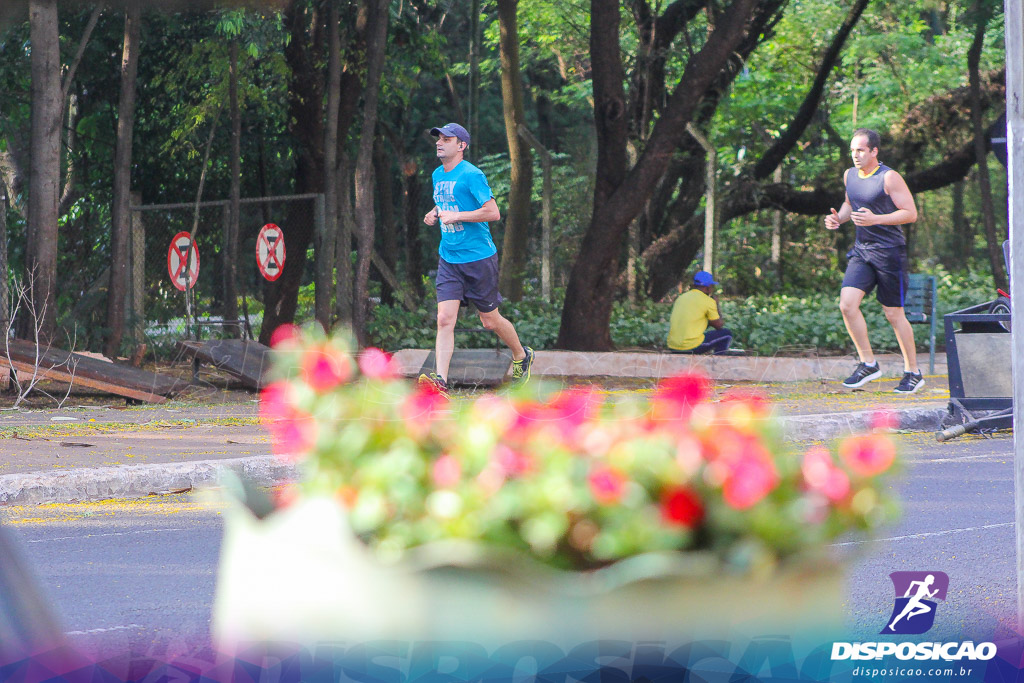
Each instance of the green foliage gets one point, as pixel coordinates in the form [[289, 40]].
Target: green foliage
[[765, 324]]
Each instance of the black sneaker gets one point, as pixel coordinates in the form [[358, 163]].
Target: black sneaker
[[862, 375], [911, 382], [437, 381], [521, 368]]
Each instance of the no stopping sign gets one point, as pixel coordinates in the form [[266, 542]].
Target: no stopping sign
[[270, 251], [177, 259]]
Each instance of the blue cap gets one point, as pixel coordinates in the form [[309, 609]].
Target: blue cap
[[703, 278], [452, 130]]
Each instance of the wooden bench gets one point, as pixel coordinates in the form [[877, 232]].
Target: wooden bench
[[919, 305]]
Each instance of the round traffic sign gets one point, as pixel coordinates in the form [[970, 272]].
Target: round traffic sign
[[177, 258], [270, 251]]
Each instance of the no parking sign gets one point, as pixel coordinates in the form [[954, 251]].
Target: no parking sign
[[270, 251], [177, 258]]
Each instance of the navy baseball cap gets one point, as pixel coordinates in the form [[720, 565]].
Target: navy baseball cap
[[703, 278], [452, 130]]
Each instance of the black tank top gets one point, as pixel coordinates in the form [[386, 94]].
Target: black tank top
[[870, 192]]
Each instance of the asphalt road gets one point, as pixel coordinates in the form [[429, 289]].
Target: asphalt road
[[140, 575]]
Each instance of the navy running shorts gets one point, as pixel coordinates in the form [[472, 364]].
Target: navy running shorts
[[475, 282], [882, 267]]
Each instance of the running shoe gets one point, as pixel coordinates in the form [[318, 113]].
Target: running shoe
[[862, 375], [521, 368], [911, 382], [437, 381]]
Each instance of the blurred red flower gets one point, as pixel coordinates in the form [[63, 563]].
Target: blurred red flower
[[682, 507]]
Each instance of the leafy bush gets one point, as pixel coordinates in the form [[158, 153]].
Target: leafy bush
[[766, 324]]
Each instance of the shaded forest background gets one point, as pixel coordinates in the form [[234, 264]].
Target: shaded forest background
[[634, 104]]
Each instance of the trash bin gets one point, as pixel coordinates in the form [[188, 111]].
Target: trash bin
[[979, 357]]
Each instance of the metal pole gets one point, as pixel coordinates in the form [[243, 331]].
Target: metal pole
[[1015, 174]]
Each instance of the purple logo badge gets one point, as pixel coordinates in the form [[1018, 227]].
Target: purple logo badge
[[916, 596]]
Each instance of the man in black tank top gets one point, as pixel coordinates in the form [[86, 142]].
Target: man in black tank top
[[880, 204]]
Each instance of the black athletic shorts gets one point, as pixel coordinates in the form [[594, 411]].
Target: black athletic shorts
[[884, 267], [475, 282]]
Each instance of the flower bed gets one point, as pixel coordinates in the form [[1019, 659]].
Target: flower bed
[[573, 478]]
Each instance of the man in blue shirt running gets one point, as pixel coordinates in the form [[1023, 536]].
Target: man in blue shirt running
[[467, 269]]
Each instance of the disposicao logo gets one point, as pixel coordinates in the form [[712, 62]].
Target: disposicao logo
[[917, 594]]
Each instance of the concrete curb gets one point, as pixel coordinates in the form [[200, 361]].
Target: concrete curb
[[130, 481], [95, 483], [656, 365], [825, 426]]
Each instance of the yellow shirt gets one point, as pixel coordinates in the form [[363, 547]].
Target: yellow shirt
[[690, 315]]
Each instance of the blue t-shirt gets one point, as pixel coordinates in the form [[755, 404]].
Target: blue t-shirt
[[464, 188]]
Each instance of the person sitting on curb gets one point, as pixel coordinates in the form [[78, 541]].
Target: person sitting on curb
[[692, 313]]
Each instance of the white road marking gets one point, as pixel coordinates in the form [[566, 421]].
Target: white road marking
[[104, 630], [113, 533], [927, 534]]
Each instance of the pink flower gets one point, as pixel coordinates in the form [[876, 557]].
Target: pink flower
[[607, 485], [562, 415], [377, 364], [868, 455], [423, 405], [512, 462], [324, 367], [446, 471], [681, 507], [749, 480], [821, 475], [676, 396], [285, 336], [294, 436], [277, 401]]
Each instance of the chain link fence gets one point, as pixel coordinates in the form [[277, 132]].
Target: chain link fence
[[158, 315]]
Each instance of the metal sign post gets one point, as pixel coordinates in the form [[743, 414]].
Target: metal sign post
[[1015, 174]]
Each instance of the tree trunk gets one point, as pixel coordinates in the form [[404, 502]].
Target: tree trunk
[[963, 235], [995, 243], [364, 177], [474, 66], [517, 217], [230, 311], [412, 224], [44, 176], [120, 215], [343, 245], [305, 116], [325, 242], [620, 196], [386, 204], [5, 301]]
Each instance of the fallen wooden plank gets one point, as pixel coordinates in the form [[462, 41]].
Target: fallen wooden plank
[[56, 364], [246, 361]]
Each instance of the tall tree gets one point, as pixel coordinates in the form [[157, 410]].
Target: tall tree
[[982, 11], [376, 42], [231, 230], [517, 216], [305, 125], [120, 217], [44, 176], [620, 192], [325, 248]]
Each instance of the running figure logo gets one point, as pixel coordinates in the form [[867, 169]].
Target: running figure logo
[[916, 596]]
